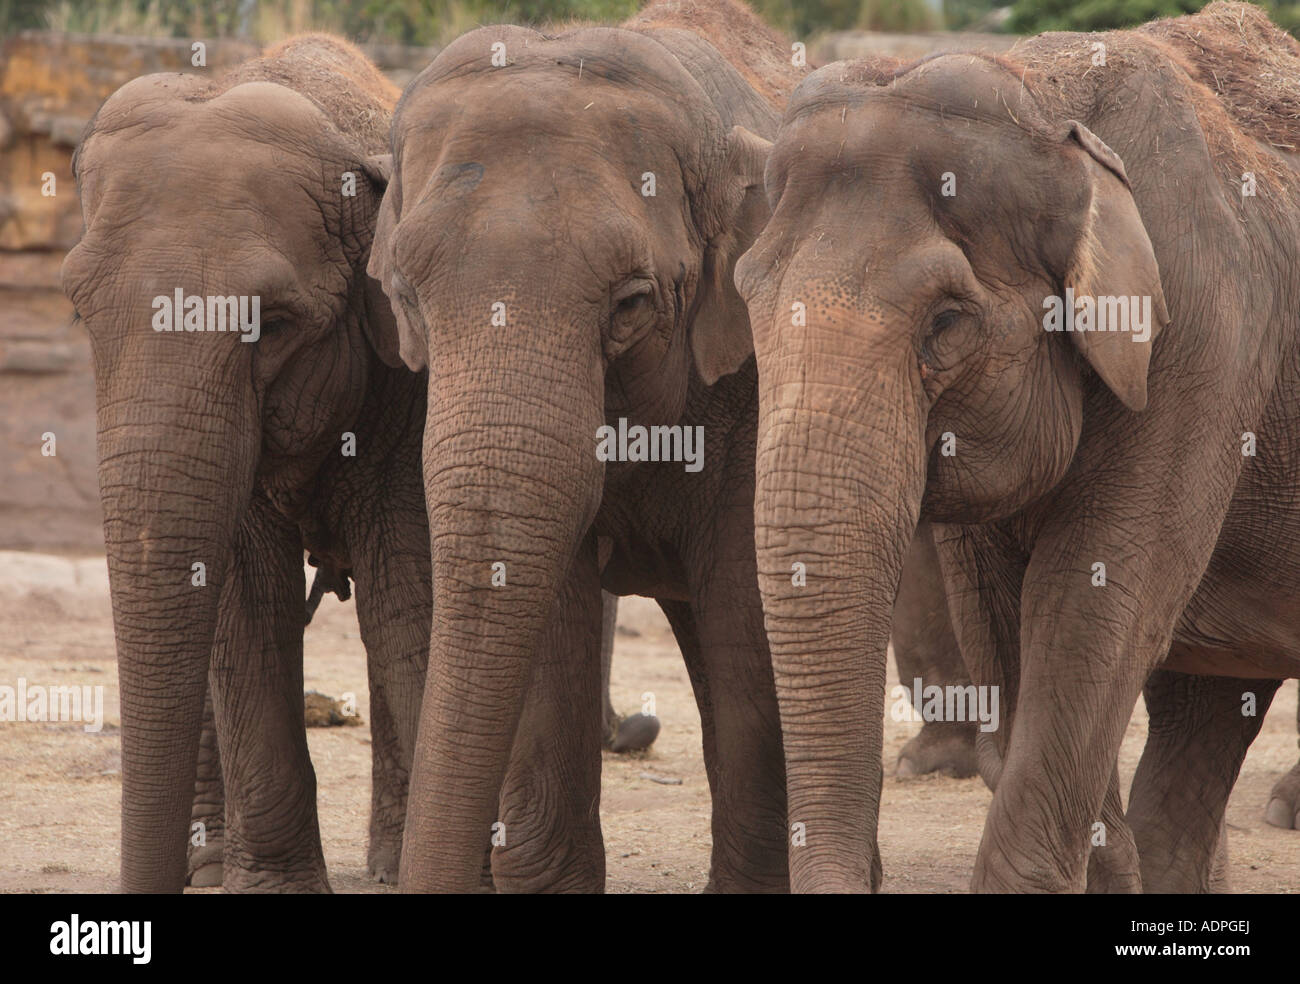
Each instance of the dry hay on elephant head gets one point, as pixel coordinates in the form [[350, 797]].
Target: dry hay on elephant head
[[333, 74], [1238, 72], [758, 52], [1249, 63]]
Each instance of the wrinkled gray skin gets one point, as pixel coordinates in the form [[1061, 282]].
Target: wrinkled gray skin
[[232, 453], [925, 648], [521, 185], [924, 317], [1283, 808], [632, 733], [635, 732], [229, 453]]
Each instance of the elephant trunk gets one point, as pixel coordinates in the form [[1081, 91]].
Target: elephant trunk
[[513, 484], [176, 472], [840, 473]]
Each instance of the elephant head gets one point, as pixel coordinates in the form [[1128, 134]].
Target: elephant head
[[558, 241], [221, 279], [926, 221]]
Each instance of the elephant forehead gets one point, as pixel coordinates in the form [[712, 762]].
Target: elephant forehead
[[204, 267], [196, 166], [267, 110], [527, 113], [116, 272], [905, 165], [611, 90], [973, 86], [628, 59]]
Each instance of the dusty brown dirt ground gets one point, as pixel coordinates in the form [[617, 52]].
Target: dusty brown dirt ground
[[60, 787]]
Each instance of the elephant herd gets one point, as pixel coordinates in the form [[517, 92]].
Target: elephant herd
[[999, 354]]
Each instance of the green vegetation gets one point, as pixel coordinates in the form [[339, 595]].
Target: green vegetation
[[434, 21], [1033, 16]]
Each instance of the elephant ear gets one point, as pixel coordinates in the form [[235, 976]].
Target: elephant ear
[[379, 322], [1112, 256], [721, 339], [402, 339]]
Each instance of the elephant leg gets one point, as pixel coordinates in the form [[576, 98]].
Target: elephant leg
[[1113, 861], [622, 734], [681, 619], [927, 654], [987, 613], [609, 719], [1196, 742], [1113, 867], [389, 776], [724, 648], [984, 569], [1086, 651], [547, 834], [208, 814], [272, 834], [1284, 801], [1220, 880], [394, 611]]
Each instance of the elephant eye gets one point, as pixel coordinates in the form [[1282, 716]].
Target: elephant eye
[[274, 327], [630, 305], [943, 321], [631, 312], [933, 349]]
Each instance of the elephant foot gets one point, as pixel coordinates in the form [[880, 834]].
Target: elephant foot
[[306, 882], [383, 862], [205, 876], [945, 748], [1220, 882], [204, 865], [634, 733], [1283, 808], [1114, 875], [834, 880], [778, 883], [300, 872]]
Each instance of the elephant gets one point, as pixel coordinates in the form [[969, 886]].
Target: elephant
[[261, 420], [239, 457], [1113, 509], [557, 239]]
